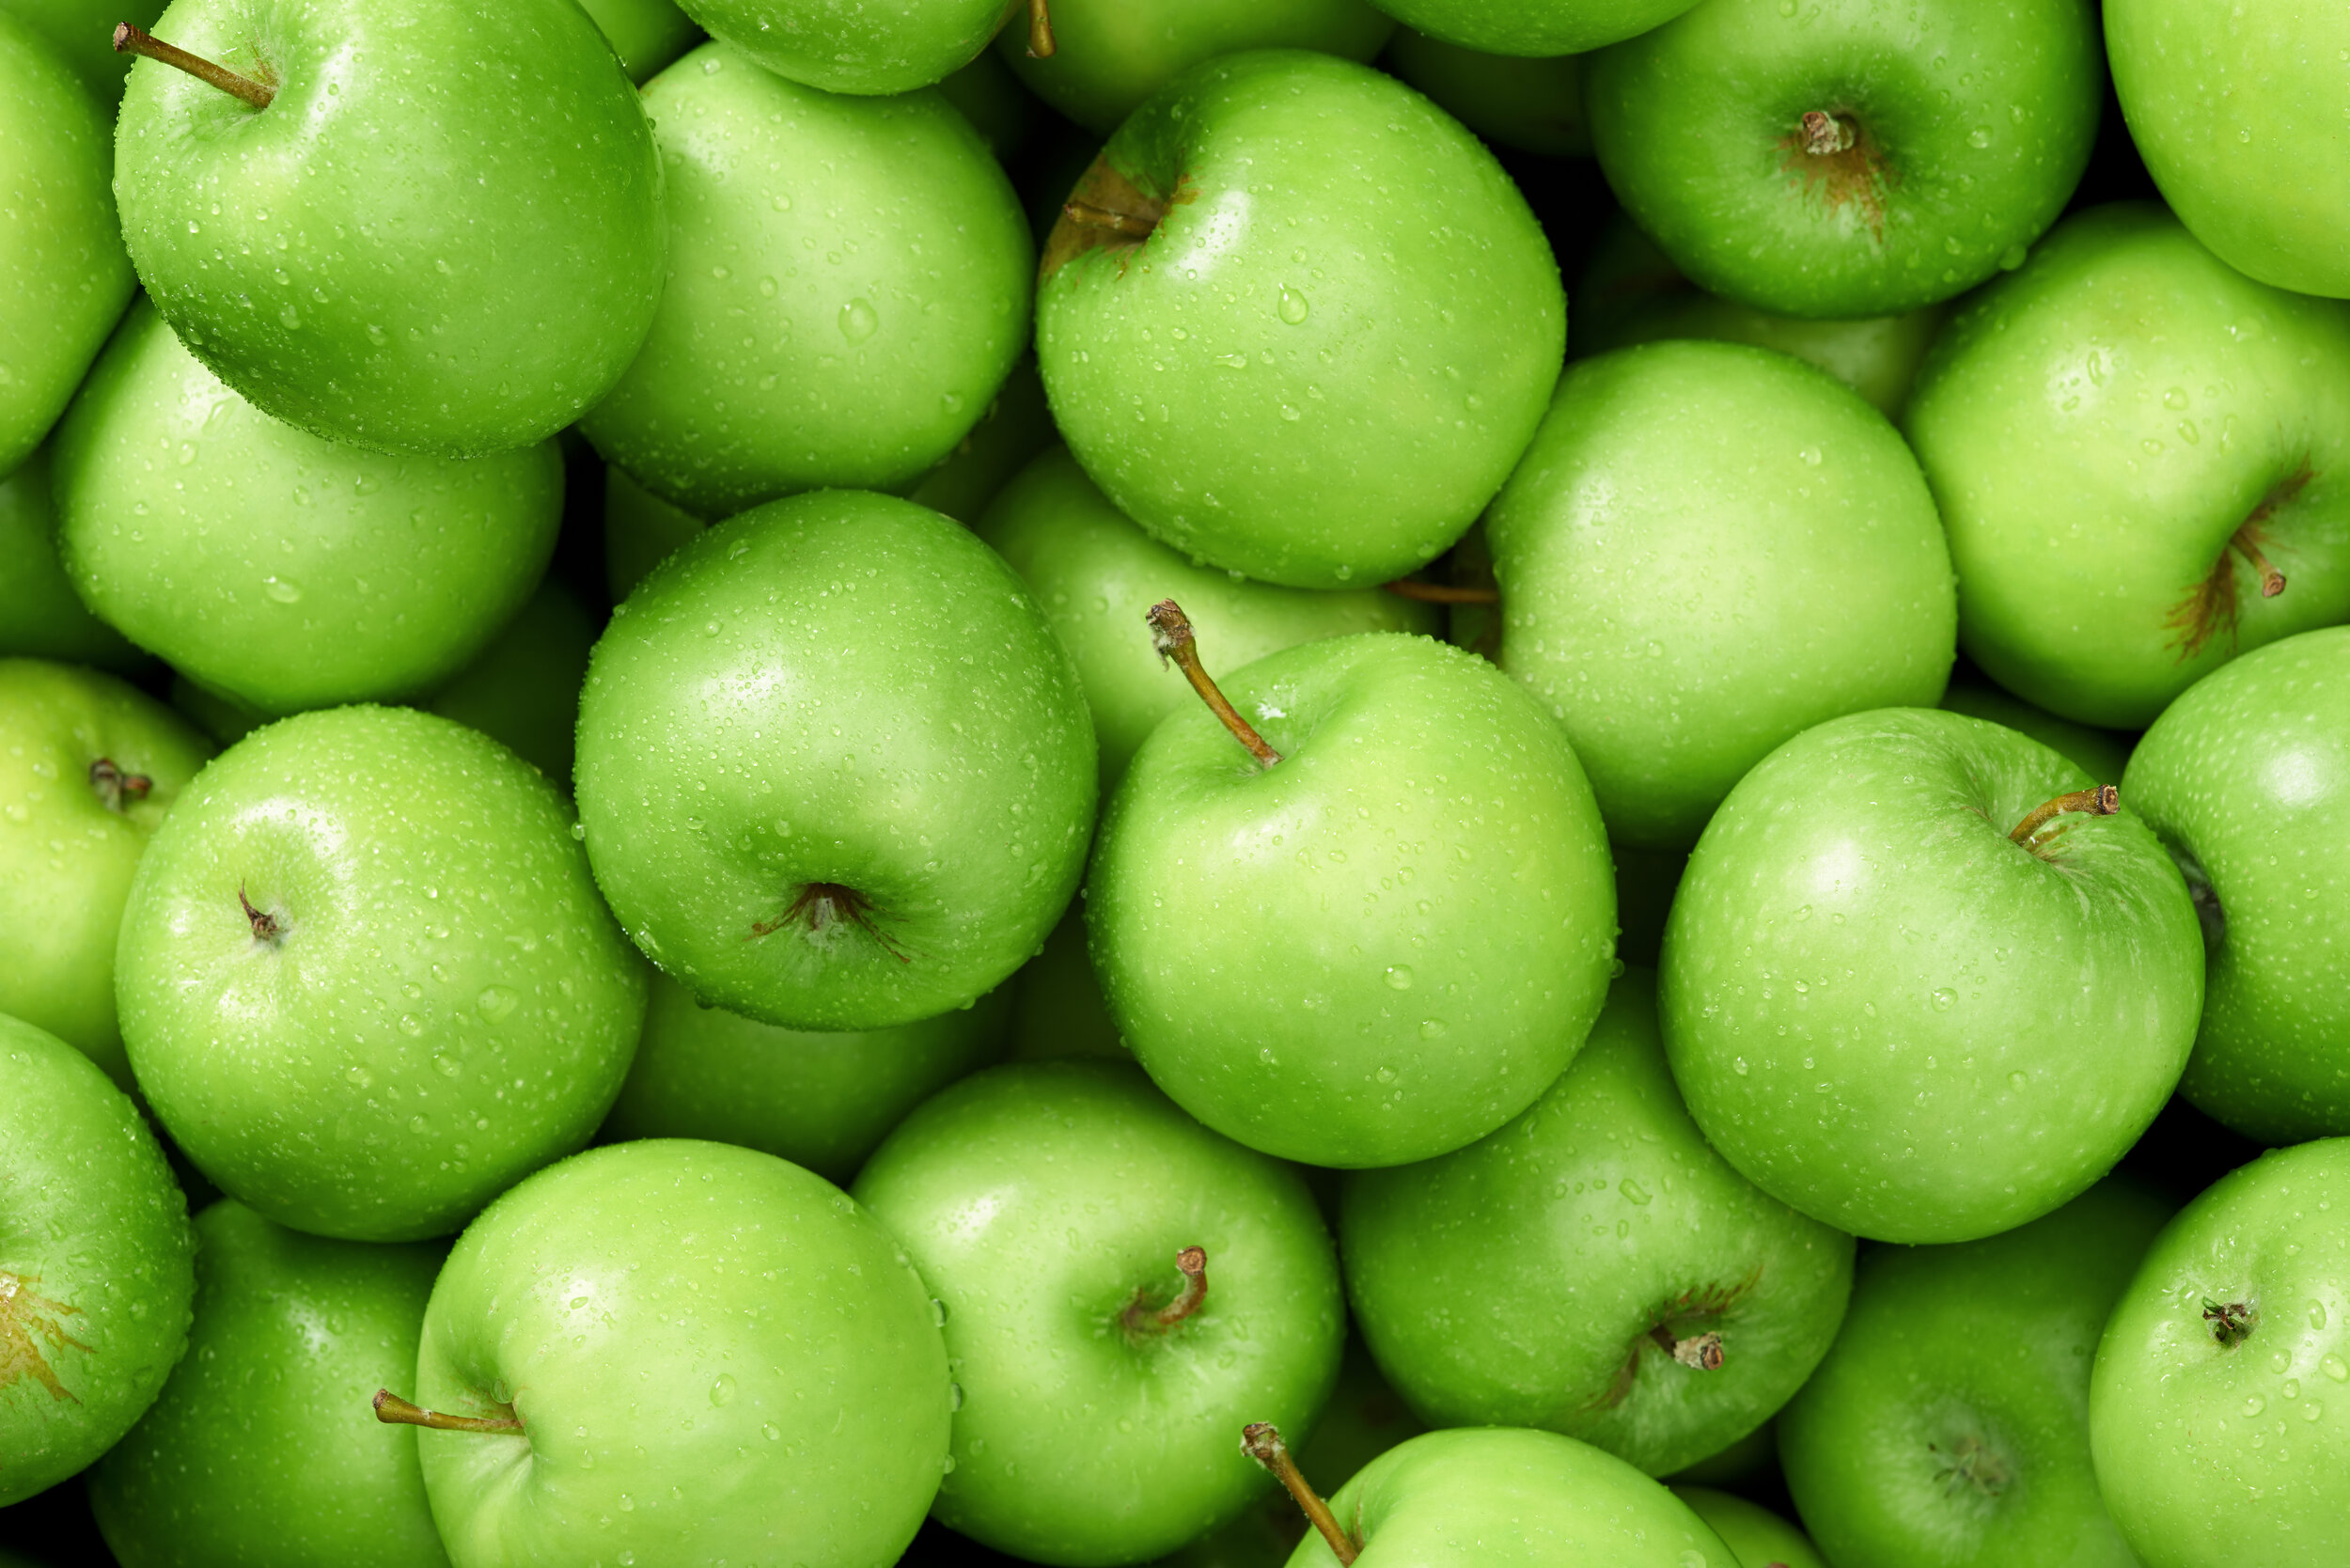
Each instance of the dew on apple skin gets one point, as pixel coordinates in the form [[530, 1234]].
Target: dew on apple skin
[[1944, 999], [858, 320], [1294, 306], [722, 1392], [2254, 1404]]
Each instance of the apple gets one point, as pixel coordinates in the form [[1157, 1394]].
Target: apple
[[82, 33], [2138, 453], [1016, 428], [2099, 753], [1532, 104], [522, 689], [1593, 1267], [1757, 1538], [888, 46], [640, 532], [1533, 27], [1848, 158], [365, 981], [678, 1352], [1296, 321], [258, 1449], [834, 770], [1924, 980], [39, 615], [1057, 1008], [95, 1262], [1707, 549], [437, 229], [849, 285], [645, 34], [1950, 1425]]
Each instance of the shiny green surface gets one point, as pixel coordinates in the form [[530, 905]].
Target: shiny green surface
[[856, 46], [1757, 1538]]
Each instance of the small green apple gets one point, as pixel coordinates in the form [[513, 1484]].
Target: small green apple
[[1533, 27], [522, 689], [1532, 104], [2099, 753], [640, 532], [645, 34], [869, 48], [40, 616], [1757, 1538]]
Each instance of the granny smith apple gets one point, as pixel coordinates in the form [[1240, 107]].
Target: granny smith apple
[[848, 286], [821, 1101], [281, 569], [522, 689], [1950, 1425], [82, 33], [1532, 27], [258, 1449], [40, 616], [1056, 1007], [1923, 980], [1593, 1267], [1847, 157], [873, 47], [365, 981], [1016, 428], [694, 1353], [1533, 104], [439, 230], [88, 767], [95, 1271], [2137, 452], [2099, 753], [645, 34], [1707, 549], [640, 532], [1296, 321], [1757, 1538]]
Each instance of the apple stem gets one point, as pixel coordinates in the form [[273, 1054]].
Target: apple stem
[[1193, 1264], [2102, 800], [392, 1410], [2244, 542], [1041, 42], [1171, 635], [138, 40], [113, 786], [1699, 1352], [1085, 214], [2231, 1323], [1436, 593], [265, 927], [1824, 134], [1261, 1442]]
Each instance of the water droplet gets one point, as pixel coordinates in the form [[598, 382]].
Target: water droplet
[[1294, 306], [1696, 1559], [2012, 258], [1633, 1190], [1233, 361], [289, 318], [2312, 1410], [579, 831], [954, 1396], [284, 589], [2335, 1368], [2317, 1314], [1979, 137], [2254, 1405], [775, 1432], [946, 1466], [1945, 999], [1399, 977], [628, 1504], [938, 1313], [495, 1001], [782, 203], [858, 320], [2018, 1081], [722, 1392], [1810, 456], [358, 1077], [1738, 1065], [445, 1066], [1431, 1028], [411, 1024]]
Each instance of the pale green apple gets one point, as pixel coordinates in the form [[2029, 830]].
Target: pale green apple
[[1757, 1538]]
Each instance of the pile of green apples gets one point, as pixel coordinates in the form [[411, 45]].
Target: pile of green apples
[[808, 783]]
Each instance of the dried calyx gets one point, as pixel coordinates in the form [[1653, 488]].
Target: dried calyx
[[114, 787]]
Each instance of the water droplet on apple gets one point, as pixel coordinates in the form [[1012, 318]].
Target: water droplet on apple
[[1696, 1560], [411, 1024], [775, 1432], [858, 320], [2335, 1368], [445, 1066], [1979, 137], [1233, 361], [2018, 1081], [722, 1392], [2012, 258], [1399, 977], [495, 1002], [1431, 1029], [1945, 999], [579, 831], [282, 590], [938, 1313], [2312, 1410], [1738, 1065], [2254, 1405], [1294, 306], [954, 1396], [1632, 1191]]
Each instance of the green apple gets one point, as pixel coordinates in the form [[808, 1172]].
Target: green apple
[[640, 532], [1379, 948], [1594, 1268], [1095, 573], [2100, 753], [275, 567], [62, 268], [1707, 549], [365, 981], [711, 1355], [834, 770], [95, 1262], [257, 1450], [1532, 104], [82, 33], [2139, 454], [1950, 1425], [1533, 27], [89, 768], [2238, 117], [821, 1101], [1057, 1006], [443, 233], [1757, 1538], [869, 48], [1016, 428], [2217, 1405], [522, 689], [2247, 778], [849, 284], [1296, 321], [1848, 158], [40, 616], [645, 34], [1923, 984], [1047, 1205]]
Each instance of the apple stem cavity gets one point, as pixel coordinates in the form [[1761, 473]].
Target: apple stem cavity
[[265, 926], [2231, 1322], [2245, 542], [822, 905], [2102, 800], [392, 1410], [138, 40], [1823, 136], [1192, 1262], [1261, 1442], [1437, 593], [1041, 45], [1699, 1352], [1085, 214], [1172, 636], [114, 787]]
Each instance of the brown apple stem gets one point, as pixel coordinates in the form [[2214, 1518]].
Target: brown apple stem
[[113, 786], [392, 1410], [1824, 134], [1085, 214], [2231, 1322], [2244, 543], [265, 927], [2103, 800], [1436, 593], [1040, 44], [1699, 1352], [1171, 635], [1193, 1264], [138, 40], [1261, 1442]]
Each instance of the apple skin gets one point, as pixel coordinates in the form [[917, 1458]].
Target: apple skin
[[1973, 126], [1950, 1425], [522, 689], [647, 35], [1322, 362], [259, 1449], [1707, 549], [772, 709], [1517, 1283], [640, 532], [1757, 1537], [849, 284], [871, 48], [40, 616], [82, 33], [2096, 427], [447, 1005], [716, 1357], [1533, 27], [2102, 754], [444, 235], [2247, 778], [96, 1271], [2238, 117], [1532, 105], [1883, 1013]]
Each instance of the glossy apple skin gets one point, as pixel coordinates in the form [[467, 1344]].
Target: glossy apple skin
[[1431, 907], [95, 1262], [841, 688], [446, 1007], [869, 48], [67, 855], [1037, 1201], [1884, 1012], [1323, 360], [260, 1448], [1515, 1282], [444, 236], [40, 616], [1974, 1355], [2096, 427], [1757, 1538], [1707, 549], [849, 284], [2102, 754], [1533, 27], [522, 689], [2233, 1456], [2247, 776], [1532, 105], [645, 34], [715, 1356]]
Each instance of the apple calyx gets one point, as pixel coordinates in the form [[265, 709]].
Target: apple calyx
[[1172, 636], [138, 40], [2212, 606], [1438, 593], [1041, 42], [2102, 800], [1970, 1463], [1832, 153], [392, 1410], [1261, 1442], [265, 926], [2231, 1322], [114, 787], [1824, 135], [1140, 1320], [27, 1320], [1699, 1352], [822, 905]]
